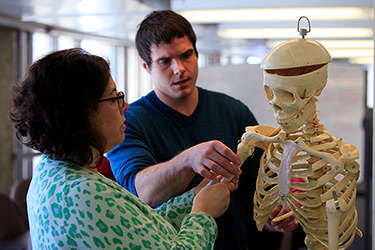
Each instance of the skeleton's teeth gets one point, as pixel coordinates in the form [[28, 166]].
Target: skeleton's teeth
[[288, 120]]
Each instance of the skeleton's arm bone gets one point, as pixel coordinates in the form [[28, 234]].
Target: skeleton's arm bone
[[335, 209], [244, 150], [253, 137], [352, 166]]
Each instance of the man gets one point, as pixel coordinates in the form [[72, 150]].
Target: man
[[180, 133]]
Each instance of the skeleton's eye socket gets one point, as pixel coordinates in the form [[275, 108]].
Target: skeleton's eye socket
[[304, 94], [285, 96], [269, 93]]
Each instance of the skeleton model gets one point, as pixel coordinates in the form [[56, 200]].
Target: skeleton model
[[303, 166]]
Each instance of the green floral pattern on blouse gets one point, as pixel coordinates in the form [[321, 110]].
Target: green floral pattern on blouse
[[70, 207]]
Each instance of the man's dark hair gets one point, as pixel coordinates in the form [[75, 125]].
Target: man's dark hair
[[162, 26]]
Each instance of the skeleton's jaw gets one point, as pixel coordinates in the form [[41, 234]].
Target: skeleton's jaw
[[291, 123], [297, 118]]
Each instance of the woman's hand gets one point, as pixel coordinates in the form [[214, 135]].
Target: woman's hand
[[214, 199]]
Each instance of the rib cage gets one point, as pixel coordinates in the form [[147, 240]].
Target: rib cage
[[316, 179]]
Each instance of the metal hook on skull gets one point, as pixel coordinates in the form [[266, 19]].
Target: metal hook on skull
[[303, 31]]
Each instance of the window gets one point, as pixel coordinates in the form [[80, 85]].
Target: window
[[41, 44], [108, 52], [65, 42], [138, 80]]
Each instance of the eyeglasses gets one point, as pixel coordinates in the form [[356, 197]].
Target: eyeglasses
[[120, 99]]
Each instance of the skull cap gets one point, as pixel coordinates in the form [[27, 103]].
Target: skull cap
[[296, 53]]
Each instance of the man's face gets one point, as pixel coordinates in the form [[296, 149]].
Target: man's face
[[174, 69]]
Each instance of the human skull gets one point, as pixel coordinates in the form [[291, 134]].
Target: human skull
[[294, 73]]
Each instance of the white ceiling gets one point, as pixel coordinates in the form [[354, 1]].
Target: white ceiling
[[119, 18]]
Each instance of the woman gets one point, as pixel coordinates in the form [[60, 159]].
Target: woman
[[68, 108]]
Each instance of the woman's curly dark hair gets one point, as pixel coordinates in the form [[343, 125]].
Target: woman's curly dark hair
[[51, 107]]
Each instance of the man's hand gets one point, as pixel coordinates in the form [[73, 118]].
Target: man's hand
[[286, 225], [157, 183], [212, 158]]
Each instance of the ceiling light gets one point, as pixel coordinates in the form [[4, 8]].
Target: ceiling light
[[87, 7], [90, 23], [336, 44], [345, 53], [267, 33], [348, 43], [279, 14], [343, 48], [362, 60], [254, 60]]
